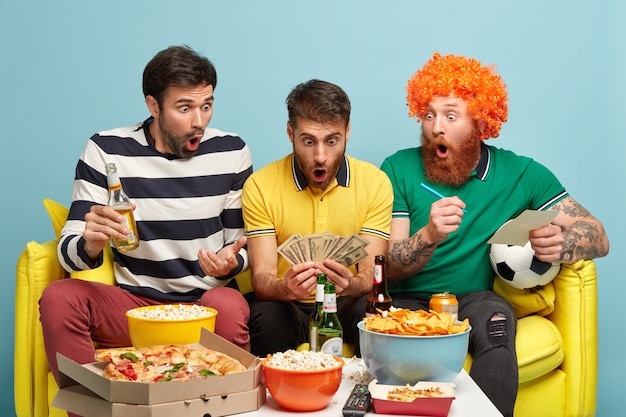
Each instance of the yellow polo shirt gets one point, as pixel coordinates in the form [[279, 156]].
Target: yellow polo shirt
[[277, 201]]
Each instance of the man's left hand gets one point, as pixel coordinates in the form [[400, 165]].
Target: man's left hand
[[336, 273], [547, 242], [223, 262]]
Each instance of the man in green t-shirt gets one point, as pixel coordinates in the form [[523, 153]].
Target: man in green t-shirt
[[440, 244]]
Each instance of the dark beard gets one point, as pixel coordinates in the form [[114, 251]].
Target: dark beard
[[457, 168], [174, 142]]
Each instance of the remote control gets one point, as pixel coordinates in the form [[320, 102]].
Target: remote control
[[358, 401]]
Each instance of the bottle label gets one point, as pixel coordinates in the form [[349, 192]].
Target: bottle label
[[378, 274], [313, 342], [132, 242], [126, 221], [330, 303], [319, 292], [333, 346], [113, 181]]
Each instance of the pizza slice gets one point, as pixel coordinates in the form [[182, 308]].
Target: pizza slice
[[118, 355], [165, 355], [216, 362], [165, 363]]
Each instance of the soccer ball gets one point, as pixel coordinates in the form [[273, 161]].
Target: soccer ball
[[518, 266]]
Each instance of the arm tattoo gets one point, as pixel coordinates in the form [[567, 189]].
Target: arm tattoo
[[583, 239], [573, 210], [411, 251]]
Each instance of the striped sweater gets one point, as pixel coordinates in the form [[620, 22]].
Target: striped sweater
[[183, 204]]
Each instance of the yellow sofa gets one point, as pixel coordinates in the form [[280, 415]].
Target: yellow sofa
[[556, 334]]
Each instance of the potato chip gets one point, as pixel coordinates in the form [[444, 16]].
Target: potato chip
[[415, 323]]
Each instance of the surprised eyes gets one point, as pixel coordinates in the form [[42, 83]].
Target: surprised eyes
[[329, 141], [205, 107], [450, 117]]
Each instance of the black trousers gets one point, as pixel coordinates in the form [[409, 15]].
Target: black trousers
[[277, 326]]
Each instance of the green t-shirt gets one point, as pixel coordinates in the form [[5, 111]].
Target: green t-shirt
[[503, 186]]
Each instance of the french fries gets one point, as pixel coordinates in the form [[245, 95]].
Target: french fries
[[408, 394], [414, 323]]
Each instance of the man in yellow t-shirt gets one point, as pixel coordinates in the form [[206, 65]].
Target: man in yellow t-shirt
[[316, 189]]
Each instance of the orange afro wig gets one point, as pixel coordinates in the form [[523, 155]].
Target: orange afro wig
[[482, 89]]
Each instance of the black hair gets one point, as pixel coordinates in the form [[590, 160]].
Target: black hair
[[177, 65]]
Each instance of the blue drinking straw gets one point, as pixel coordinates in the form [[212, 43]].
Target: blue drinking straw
[[437, 193]]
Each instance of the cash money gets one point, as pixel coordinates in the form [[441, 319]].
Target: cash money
[[347, 250]]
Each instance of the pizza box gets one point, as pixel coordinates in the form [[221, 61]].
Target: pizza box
[[91, 376], [78, 399], [438, 407]]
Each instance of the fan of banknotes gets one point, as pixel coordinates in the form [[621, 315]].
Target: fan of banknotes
[[347, 250]]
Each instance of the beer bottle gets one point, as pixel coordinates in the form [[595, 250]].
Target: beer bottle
[[329, 330], [120, 202], [316, 313], [379, 299]]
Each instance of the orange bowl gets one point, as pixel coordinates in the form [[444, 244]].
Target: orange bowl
[[303, 390]]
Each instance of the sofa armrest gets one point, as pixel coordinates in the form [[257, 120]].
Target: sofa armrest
[[576, 316], [37, 267]]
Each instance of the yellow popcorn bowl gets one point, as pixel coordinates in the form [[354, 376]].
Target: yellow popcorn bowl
[[169, 324]]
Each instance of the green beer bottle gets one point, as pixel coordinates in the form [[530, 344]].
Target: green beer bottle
[[329, 330], [316, 313]]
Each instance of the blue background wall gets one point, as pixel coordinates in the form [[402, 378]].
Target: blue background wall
[[70, 68]]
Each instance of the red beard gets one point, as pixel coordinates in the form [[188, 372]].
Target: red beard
[[457, 167]]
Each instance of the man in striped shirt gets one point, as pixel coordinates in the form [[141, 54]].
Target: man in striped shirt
[[185, 181]]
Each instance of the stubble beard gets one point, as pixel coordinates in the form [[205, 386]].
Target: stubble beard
[[331, 170], [175, 142]]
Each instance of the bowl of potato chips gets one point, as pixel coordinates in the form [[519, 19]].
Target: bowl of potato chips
[[402, 346]]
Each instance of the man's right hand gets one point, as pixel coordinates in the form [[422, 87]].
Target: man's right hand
[[301, 280], [446, 215], [102, 223]]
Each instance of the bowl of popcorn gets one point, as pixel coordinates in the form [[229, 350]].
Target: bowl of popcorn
[[403, 346], [169, 324], [302, 381]]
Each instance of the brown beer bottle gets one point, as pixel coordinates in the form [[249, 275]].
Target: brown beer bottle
[[120, 202], [379, 299]]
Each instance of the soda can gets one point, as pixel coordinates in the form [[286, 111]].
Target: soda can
[[445, 303]]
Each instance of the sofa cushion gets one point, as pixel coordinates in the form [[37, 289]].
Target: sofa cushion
[[104, 273], [36, 268], [539, 347], [544, 396], [538, 300], [58, 215]]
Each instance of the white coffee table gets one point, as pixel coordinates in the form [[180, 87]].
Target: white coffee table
[[470, 400]]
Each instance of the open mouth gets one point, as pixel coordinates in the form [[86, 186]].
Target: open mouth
[[193, 143], [319, 175], [442, 151]]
